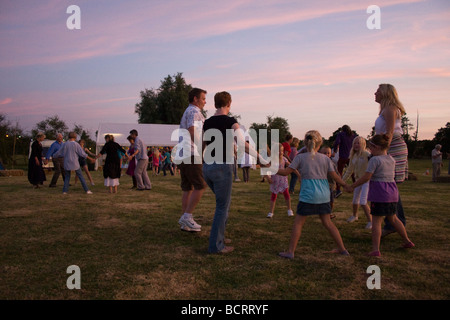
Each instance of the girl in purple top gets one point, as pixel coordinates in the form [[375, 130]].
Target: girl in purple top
[[383, 192]]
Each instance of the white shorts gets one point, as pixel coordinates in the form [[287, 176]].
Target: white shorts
[[360, 194]]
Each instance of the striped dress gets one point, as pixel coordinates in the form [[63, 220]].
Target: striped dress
[[398, 148]]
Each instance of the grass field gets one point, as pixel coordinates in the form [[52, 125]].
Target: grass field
[[129, 246]]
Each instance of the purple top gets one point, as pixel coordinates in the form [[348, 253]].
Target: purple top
[[344, 142]]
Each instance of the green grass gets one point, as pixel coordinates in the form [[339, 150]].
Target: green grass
[[129, 246]]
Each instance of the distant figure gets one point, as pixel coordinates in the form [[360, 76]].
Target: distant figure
[[58, 163], [111, 169], [331, 183], [294, 151], [343, 143], [140, 153], [359, 158], [436, 160], [279, 184], [167, 161], [36, 174], [131, 162], [71, 151], [83, 164]]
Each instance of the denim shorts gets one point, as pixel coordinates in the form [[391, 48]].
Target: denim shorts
[[383, 208], [308, 209]]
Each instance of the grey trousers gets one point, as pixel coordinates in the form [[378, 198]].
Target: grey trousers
[[142, 179], [58, 164]]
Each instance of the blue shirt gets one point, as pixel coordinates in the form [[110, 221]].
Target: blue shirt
[[53, 149], [313, 171]]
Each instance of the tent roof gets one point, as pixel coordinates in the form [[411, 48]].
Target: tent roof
[[150, 133]]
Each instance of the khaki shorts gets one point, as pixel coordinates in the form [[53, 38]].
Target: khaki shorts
[[191, 176]]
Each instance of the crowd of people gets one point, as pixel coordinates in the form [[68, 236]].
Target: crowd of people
[[375, 167]]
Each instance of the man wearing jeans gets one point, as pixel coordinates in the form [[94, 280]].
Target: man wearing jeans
[[71, 151], [140, 173]]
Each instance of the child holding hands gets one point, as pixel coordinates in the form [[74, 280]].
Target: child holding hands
[[314, 196], [279, 184], [383, 192], [359, 158]]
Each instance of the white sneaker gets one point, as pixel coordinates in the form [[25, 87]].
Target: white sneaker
[[290, 213], [89, 192], [352, 219], [369, 225], [188, 224], [270, 215], [64, 192]]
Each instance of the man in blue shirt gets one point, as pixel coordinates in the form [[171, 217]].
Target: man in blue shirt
[[58, 162]]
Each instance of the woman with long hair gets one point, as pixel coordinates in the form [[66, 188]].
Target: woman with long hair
[[389, 122]]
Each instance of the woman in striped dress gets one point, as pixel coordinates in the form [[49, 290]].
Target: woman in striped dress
[[389, 122]]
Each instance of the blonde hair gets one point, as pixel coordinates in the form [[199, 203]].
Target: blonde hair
[[362, 143], [313, 140], [295, 142], [389, 97]]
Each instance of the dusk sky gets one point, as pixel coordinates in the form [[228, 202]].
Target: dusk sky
[[315, 63]]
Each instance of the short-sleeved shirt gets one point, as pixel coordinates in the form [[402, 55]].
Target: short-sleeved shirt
[[313, 170], [382, 186], [192, 117], [222, 124]]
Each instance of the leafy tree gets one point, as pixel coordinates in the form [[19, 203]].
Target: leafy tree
[[13, 141], [51, 126], [442, 137], [165, 104], [406, 126], [272, 123], [83, 134]]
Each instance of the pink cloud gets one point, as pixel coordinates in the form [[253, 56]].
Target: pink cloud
[[6, 101]]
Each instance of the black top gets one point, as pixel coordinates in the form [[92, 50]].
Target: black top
[[224, 124], [112, 168]]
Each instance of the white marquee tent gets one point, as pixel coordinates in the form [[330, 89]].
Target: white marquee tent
[[151, 134]]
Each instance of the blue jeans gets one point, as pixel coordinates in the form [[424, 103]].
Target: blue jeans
[[293, 182], [80, 177], [219, 178]]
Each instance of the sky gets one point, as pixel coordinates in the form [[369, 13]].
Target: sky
[[315, 63]]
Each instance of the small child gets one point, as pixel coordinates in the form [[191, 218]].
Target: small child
[[279, 184], [359, 158], [314, 196], [332, 184], [383, 192]]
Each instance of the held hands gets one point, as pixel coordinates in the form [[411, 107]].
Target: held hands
[[348, 188]]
